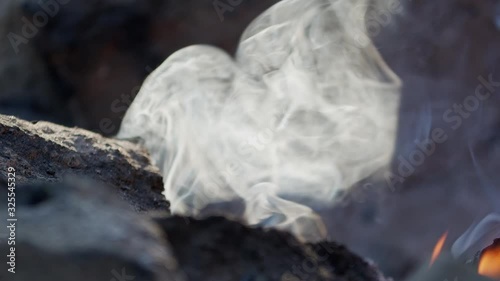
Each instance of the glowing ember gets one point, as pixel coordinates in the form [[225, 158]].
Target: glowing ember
[[489, 264], [438, 248]]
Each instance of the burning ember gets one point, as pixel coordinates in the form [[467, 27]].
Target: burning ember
[[438, 248], [489, 264]]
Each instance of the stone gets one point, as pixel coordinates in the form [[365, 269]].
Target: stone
[[73, 230], [45, 152], [218, 249]]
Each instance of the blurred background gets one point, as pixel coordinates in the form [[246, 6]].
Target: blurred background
[[80, 63]]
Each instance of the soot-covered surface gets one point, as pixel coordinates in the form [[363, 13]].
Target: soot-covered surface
[[217, 249]]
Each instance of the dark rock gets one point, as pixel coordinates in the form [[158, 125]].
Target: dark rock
[[75, 231], [217, 249], [48, 153]]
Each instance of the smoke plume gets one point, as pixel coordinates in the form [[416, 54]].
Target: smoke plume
[[306, 109]]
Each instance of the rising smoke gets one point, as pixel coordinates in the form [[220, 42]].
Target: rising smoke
[[306, 109], [482, 233]]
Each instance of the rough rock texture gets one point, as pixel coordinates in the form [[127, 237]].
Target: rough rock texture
[[217, 249], [76, 231], [47, 152]]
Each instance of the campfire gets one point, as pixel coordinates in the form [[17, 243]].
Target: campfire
[[345, 140]]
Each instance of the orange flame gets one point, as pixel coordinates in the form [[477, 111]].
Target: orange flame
[[438, 248], [489, 264]]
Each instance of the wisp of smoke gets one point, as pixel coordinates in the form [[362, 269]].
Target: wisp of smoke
[[481, 234], [306, 109], [477, 237]]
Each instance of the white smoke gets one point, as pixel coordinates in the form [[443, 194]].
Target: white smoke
[[305, 110]]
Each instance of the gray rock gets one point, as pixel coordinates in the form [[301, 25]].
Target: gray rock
[[75, 231], [218, 249], [47, 152]]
